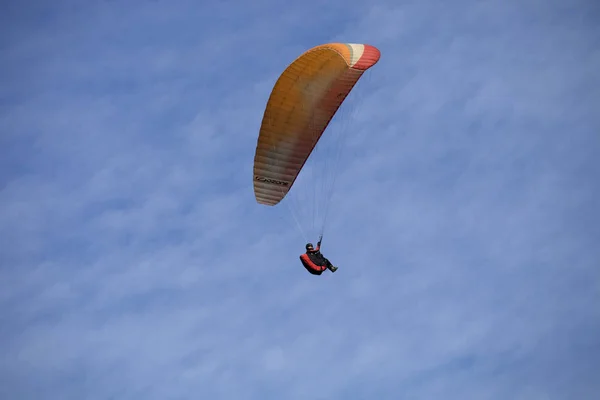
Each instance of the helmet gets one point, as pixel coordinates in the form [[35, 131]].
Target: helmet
[[309, 246]]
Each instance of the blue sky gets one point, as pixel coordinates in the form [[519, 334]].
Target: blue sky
[[136, 264]]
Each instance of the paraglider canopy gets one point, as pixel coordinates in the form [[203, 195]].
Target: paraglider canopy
[[304, 100]]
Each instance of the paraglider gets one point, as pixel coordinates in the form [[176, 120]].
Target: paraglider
[[302, 103], [314, 261]]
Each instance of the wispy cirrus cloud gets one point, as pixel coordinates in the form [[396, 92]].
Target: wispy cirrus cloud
[[136, 264]]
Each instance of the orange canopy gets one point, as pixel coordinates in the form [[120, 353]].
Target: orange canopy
[[305, 98]]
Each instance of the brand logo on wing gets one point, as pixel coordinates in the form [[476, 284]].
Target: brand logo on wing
[[269, 180]]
